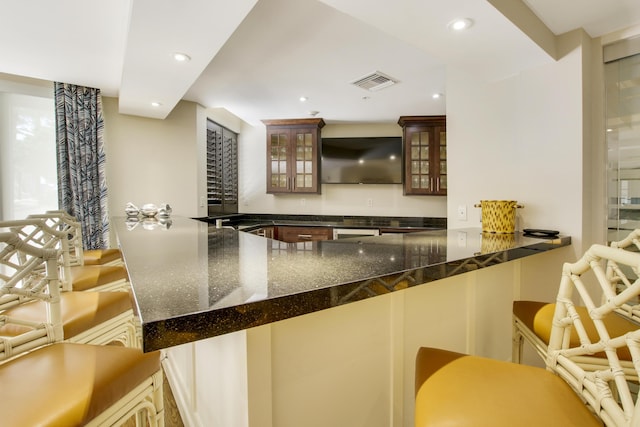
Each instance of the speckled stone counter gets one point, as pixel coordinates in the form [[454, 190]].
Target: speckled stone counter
[[248, 221], [192, 281]]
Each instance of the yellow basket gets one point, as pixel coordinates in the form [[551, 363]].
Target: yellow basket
[[498, 216], [494, 242]]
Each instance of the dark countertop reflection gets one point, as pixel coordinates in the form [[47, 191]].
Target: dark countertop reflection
[[192, 281]]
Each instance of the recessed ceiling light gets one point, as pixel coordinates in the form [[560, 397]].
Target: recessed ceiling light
[[155, 104], [460, 24], [437, 95], [303, 98], [181, 57]]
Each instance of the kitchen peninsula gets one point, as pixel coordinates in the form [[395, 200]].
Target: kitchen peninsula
[[271, 332]]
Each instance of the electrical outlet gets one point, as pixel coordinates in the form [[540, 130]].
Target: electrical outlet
[[462, 239], [462, 212], [370, 203], [202, 201]]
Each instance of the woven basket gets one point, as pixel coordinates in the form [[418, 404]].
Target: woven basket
[[498, 216], [494, 242]]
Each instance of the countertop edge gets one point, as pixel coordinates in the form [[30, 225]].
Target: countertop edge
[[210, 323]]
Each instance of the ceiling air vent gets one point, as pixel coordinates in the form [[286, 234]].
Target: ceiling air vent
[[374, 81]]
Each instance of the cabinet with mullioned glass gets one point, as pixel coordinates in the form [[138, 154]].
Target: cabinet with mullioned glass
[[293, 155], [425, 155]]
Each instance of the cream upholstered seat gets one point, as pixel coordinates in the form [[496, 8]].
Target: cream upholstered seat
[[455, 389], [532, 319], [81, 384], [87, 317], [46, 382]]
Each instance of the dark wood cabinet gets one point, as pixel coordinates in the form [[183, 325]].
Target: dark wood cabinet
[[294, 234], [425, 154], [293, 155]]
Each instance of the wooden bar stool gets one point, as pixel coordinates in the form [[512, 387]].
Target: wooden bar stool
[[455, 389], [53, 383]]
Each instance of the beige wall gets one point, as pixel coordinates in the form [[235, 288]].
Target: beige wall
[[152, 161], [522, 139]]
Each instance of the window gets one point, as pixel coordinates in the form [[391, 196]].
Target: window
[[622, 82], [28, 174], [222, 169]]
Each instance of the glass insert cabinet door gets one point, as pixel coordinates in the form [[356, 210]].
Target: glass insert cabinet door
[[304, 160], [420, 156], [279, 149], [425, 148], [293, 155]]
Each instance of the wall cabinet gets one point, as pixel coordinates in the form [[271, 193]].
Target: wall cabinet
[[425, 154], [293, 155]]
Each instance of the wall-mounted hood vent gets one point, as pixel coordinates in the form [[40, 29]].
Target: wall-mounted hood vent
[[374, 81]]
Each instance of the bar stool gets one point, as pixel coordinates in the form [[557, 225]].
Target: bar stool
[[47, 382], [532, 320], [457, 389], [81, 256], [47, 232], [87, 317]]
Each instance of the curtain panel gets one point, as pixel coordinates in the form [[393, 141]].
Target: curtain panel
[[82, 186]]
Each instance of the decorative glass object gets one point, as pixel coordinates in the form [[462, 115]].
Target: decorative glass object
[[164, 210], [149, 210], [131, 210]]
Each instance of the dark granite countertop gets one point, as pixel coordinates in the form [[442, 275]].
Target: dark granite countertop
[[192, 281], [252, 221]]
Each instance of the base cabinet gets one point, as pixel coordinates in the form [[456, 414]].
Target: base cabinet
[[291, 234]]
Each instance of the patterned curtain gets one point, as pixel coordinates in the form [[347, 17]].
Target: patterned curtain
[[82, 186]]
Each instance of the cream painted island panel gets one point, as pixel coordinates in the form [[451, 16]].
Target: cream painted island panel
[[350, 365]]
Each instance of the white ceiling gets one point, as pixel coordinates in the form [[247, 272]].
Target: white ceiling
[[257, 57]]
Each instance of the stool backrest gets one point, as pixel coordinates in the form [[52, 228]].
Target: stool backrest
[[22, 277], [622, 278], [62, 221], [604, 388], [47, 234]]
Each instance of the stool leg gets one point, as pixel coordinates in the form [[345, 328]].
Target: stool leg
[[517, 343]]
